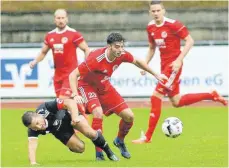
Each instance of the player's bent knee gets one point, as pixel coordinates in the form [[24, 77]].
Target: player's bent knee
[[175, 103], [78, 148], [129, 117]]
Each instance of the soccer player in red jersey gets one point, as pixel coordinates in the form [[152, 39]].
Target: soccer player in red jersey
[[100, 96], [63, 41], [166, 34]]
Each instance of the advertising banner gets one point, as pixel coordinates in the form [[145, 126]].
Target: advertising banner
[[205, 68]]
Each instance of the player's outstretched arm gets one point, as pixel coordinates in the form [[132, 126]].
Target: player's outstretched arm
[[32, 147], [84, 47], [73, 81], [141, 64], [40, 57]]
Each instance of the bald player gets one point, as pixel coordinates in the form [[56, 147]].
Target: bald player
[[63, 41]]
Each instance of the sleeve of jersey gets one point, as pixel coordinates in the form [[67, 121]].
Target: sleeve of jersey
[[180, 30], [150, 38], [46, 40], [55, 105], [86, 66], [32, 133], [78, 38], [129, 57]]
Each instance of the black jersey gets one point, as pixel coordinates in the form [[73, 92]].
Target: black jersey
[[54, 115]]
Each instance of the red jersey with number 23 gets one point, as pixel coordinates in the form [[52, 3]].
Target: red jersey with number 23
[[167, 37], [63, 44], [97, 69]]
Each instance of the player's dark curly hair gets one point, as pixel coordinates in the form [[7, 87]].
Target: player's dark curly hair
[[115, 37], [27, 117]]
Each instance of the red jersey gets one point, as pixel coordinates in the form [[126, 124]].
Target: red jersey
[[167, 37], [96, 70], [63, 44]]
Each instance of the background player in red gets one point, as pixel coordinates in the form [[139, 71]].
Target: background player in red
[[63, 41], [100, 96], [166, 34]]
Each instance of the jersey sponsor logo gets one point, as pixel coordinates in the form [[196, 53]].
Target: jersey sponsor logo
[[64, 40], [58, 48], [160, 43], [164, 34], [115, 67], [14, 74], [51, 40]]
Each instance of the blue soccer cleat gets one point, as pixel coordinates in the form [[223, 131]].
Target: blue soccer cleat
[[122, 147]]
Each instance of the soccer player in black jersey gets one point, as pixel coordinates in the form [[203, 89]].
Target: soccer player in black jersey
[[61, 117]]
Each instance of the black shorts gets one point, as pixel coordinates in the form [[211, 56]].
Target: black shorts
[[65, 131]]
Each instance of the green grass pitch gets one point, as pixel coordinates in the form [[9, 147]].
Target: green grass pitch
[[204, 142]]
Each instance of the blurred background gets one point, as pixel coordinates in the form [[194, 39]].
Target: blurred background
[[25, 23]]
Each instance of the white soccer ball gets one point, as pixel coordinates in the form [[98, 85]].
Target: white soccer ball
[[172, 127]]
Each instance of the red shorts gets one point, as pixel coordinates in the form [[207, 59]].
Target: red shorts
[[175, 82], [62, 87], [111, 101]]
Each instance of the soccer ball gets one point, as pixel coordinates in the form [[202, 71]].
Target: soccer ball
[[172, 127]]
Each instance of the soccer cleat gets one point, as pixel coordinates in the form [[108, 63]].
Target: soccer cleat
[[99, 156], [122, 147], [218, 98], [143, 139], [111, 155]]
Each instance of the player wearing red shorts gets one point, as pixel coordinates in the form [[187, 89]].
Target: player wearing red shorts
[[63, 41], [100, 96], [166, 34]]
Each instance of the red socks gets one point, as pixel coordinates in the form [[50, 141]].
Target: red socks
[[154, 116], [156, 108], [124, 128], [193, 98], [97, 124]]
